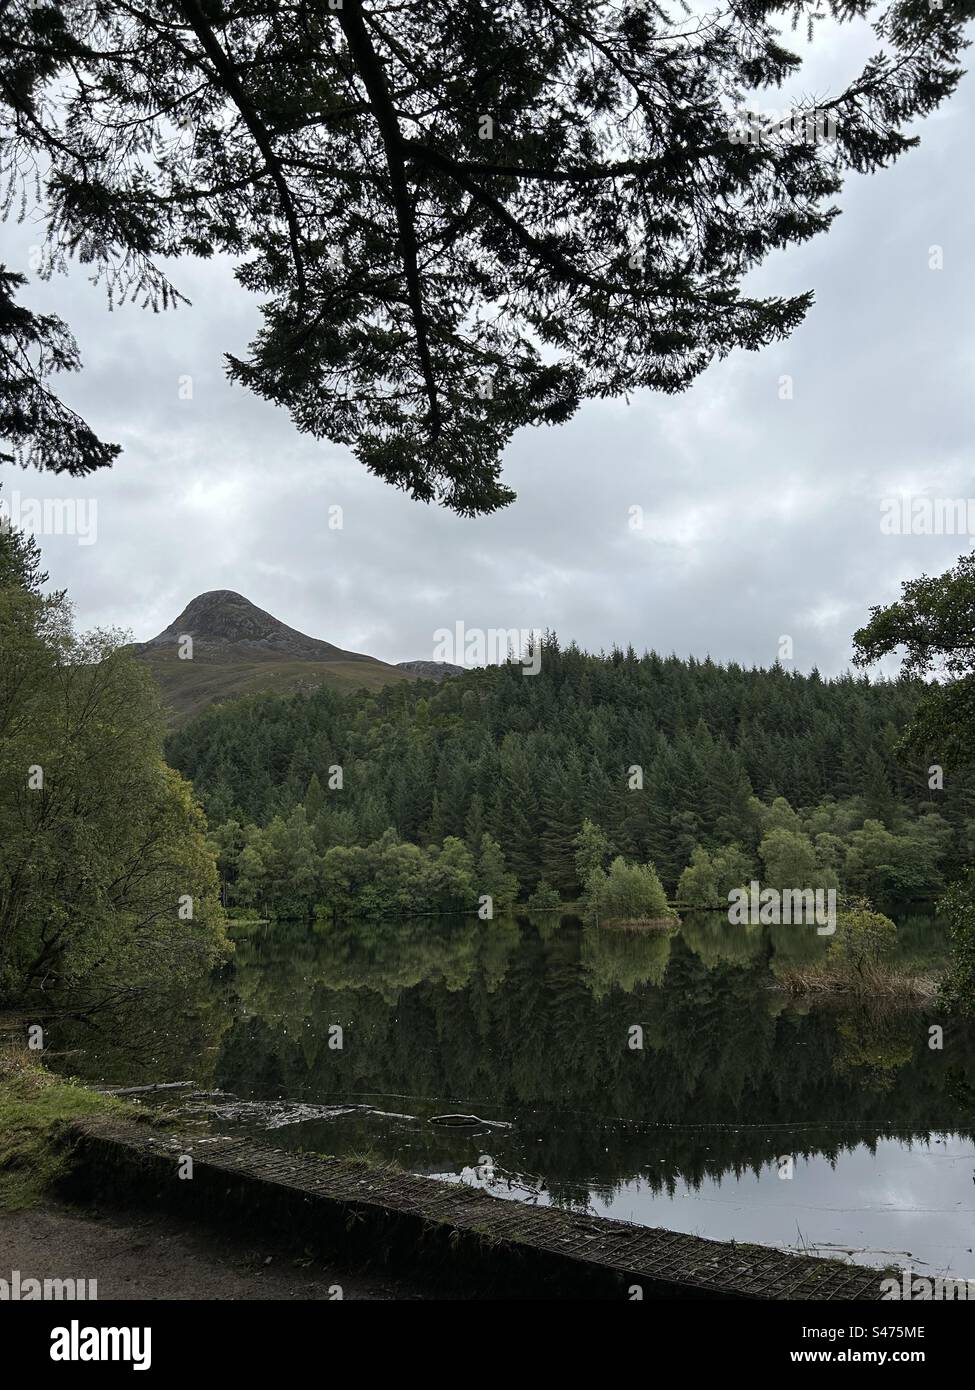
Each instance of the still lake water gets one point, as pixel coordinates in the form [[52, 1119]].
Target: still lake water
[[527, 1024]]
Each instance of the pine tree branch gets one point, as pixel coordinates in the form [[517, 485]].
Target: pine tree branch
[[374, 80], [232, 86]]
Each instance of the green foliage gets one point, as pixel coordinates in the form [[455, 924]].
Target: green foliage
[[958, 905], [449, 882], [347, 872], [796, 851], [105, 875], [314, 799], [227, 842], [596, 243], [531, 762], [863, 941], [778, 815], [712, 874], [626, 893], [886, 866], [592, 851], [282, 869], [933, 622], [790, 861], [492, 876], [544, 898]]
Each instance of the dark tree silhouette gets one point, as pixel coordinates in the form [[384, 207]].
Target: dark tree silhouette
[[463, 217], [35, 426]]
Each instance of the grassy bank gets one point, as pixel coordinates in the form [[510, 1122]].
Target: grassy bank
[[35, 1108]]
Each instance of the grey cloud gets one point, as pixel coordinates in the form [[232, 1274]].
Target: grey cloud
[[761, 515]]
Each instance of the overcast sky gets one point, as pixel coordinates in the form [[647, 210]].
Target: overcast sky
[[762, 516]]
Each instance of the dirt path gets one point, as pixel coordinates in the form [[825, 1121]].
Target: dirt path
[[138, 1255]]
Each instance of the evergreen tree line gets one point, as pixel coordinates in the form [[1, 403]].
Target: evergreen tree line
[[670, 759]]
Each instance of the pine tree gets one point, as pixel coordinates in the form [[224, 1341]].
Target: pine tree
[[518, 802], [314, 799], [474, 824], [588, 184], [561, 811]]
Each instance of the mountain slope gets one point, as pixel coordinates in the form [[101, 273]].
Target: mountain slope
[[239, 649], [430, 670]]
